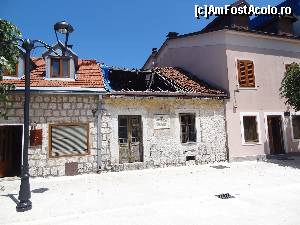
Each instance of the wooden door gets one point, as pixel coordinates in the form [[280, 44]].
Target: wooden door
[[10, 150], [275, 135], [130, 139]]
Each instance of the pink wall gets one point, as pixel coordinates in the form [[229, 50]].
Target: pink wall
[[213, 56]]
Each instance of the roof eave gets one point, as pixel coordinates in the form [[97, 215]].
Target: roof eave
[[62, 90], [167, 94]]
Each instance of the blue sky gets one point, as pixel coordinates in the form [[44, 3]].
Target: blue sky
[[118, 33]]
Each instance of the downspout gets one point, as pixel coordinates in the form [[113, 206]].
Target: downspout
[[105, 72], [99, 134]]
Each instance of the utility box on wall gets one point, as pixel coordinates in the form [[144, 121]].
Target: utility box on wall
[[71, 168], [36, 137]]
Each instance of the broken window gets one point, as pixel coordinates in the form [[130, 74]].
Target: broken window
[[68, 139], [188, 130], [296, 126], [250, 129]]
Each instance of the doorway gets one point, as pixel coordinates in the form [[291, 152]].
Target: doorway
[[275, 134], [10, 150], [130, 139]]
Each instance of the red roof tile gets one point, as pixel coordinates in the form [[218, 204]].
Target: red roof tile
[[187, 81], [88, 75]]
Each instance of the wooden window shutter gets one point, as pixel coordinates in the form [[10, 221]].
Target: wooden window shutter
[[246, 73]]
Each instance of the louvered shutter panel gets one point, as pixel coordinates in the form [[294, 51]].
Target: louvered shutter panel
[[242, 73], [246, 73], [69, 140]]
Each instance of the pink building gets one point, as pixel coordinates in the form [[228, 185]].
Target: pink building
[[248, 64]]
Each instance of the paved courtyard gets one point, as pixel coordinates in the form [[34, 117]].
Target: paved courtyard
[[264, 193]]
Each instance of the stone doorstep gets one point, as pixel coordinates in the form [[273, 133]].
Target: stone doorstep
[[9, 179]]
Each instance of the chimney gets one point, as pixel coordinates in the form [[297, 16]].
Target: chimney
[[172, 35], [285, 25], [154, 51], [240, 21], [282, 25]]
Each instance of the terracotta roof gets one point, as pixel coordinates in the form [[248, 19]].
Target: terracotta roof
[[88, 75], [187, 81]]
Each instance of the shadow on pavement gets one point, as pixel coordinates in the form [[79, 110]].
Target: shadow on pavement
[[220, 167], [40, 190], [36, 191], [285, 161], [12, 197]]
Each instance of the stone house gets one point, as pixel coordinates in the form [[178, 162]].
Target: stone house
[[64, 113], [160, 117], [248, 59]]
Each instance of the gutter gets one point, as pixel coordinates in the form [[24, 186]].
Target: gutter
[[61, 90], [167, 94]]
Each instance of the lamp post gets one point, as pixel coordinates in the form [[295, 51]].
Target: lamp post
[[65, 28], [28, 45]]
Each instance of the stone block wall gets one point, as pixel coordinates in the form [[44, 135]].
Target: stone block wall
[[48, 109], [162, 147]]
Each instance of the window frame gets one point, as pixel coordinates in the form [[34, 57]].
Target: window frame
[[258, 129], [238, 74], [6, 75], [195, 128], [60, 67], [50, 126], [291, 124]]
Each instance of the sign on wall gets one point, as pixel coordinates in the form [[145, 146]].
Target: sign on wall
[[161, 121]]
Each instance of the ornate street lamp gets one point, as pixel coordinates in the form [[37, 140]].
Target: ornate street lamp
[[28, 45], [64, 28]]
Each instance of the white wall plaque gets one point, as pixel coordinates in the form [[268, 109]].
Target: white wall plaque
[[161, 121]]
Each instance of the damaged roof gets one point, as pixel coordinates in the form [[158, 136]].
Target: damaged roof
[[166, 81], [88, 76]]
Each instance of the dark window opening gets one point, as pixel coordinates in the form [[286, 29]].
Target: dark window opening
[[188, 130], [250, 129], [190, 157], [60, 68], [296, 126]]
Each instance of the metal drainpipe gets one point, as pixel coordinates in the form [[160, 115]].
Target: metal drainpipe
[[99, 135]]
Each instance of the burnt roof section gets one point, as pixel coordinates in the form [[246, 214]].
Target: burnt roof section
[[167, 81], [229, 20], [259, 21]]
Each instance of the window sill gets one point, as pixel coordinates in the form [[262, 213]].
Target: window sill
[[250, 88], [62, 79], [74, 155], [251, 144], [189, 143]]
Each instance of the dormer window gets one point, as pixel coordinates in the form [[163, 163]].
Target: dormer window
[[60, 67], [13, 73]]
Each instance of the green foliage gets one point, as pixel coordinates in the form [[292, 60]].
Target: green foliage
[[290, 86], [9, 53]]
